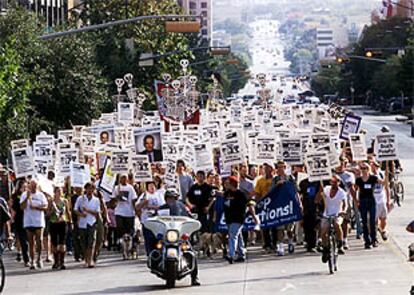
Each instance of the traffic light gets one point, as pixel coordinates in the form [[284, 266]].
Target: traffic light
[[369, 54]]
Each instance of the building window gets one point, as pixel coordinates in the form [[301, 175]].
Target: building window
[[205, 22], [204, 32], [204, 5], [193, 5], [204, 13]]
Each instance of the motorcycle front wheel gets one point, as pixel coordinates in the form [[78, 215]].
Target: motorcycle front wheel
[[170, 268]]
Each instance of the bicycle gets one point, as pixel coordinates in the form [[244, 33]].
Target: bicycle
[[397, 189], [332, 246]]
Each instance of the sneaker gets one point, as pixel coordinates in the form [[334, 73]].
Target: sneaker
[[55, 266], [70, 253], [32, 266], [280, 250], [358, 237], [62, 267], [195, 282], [18, 257], [39, 264], [291, 248], [375, 244], [341, 251], [26, 264], [367, 246]]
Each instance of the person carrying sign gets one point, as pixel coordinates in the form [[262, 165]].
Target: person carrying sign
[[280, 179], [261, 189]]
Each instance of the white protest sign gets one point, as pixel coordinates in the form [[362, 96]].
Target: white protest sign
[[23, 162], [141, 168], [203, 157], [79, 174], [265, 149], [126, 112], [232, 150], [65, 157], [317, 166], [43, 151], [291, 150], [350, 125], [386, 147], [19, 144], [358, 147], [121, 161], [320, 139]]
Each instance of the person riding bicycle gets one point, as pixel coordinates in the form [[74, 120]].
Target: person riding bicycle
[[5, 218], [334, 199]]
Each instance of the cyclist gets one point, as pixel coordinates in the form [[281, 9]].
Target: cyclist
[[335, 201]]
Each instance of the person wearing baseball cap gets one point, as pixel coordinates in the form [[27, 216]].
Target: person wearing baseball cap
[[172, 204]]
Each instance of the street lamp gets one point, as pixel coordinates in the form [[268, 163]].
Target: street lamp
[[368, 54]]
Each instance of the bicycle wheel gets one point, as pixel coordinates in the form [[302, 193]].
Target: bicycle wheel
[[331, 261], [3, 275], [335, 254]]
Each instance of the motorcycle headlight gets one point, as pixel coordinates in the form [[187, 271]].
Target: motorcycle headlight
[[172, 236]]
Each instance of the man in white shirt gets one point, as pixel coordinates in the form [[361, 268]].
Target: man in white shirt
[[125, 209], [34, 204], [334, 199], [87, 208]]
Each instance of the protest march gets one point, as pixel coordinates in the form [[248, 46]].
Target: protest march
[[251, 173]]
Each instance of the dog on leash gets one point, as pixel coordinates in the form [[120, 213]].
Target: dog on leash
[[210, 243]]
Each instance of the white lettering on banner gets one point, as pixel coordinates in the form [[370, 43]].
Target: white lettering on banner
[[385, 147]]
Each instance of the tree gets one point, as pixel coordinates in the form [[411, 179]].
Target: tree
[[385, 80], [119, 48], [14, 90]]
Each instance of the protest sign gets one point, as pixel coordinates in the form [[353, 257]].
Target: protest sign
[[126, 112], [107, 182], [320, 139], [65, 157], [358, 147], [41, 166], [203, 157], [385, 147], [148, 142], [79, 174], [231, 150], [120, 161], [265, 149], [23, 162], [291, 150], [318, 166], [43, 151], [350, 125], [141, 168], [279, 207], [19, 144]]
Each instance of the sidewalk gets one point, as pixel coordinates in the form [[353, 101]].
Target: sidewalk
[[401, 216]]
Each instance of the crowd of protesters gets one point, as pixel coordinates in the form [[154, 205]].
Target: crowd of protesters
[[79, 222]]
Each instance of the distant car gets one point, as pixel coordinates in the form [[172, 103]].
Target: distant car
[[249, 97], [289, 100]]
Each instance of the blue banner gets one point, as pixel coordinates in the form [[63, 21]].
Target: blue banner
[[279, 207]]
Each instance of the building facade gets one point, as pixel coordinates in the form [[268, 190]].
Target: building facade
[[203, 8]]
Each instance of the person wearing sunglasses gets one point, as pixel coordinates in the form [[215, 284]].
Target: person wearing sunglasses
[[363, 194]]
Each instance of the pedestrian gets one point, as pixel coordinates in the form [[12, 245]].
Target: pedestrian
[[17, 217], [279, 180], [34, 205], [112, 233], [77, 246], [101, 224], [185, 180], [147, 206], [382, 199], [60, 217], [261, 189], [200, 199], [125, 208], [235, 205], [87, 207], [364, 186]]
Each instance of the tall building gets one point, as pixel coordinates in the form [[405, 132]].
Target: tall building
[[325, 43], [203, 8], [55, 12]]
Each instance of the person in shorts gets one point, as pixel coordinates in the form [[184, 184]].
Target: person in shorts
[[34, 205]]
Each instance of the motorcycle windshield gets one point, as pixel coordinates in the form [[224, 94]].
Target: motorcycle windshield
[[161, 224]]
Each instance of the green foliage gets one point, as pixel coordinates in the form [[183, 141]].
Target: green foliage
[[14, 90]]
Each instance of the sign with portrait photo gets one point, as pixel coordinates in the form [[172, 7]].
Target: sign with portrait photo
[[291, 150], [350, 125], [358, 147], [318, 166], [232, 150], [148, 142], [121, 161]]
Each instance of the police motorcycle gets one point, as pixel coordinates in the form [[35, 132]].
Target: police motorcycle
[[173, 257]]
